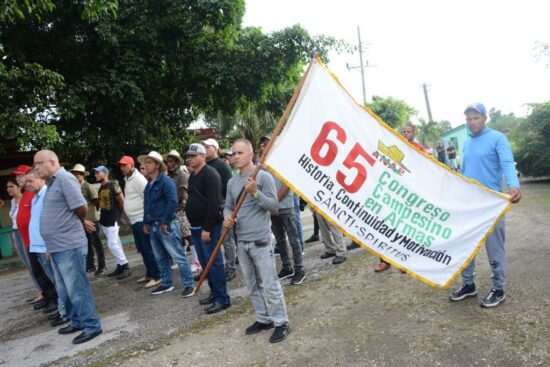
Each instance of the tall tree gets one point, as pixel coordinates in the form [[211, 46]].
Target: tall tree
[[428, 133], [394, 112], [531, 139], [137, 80]]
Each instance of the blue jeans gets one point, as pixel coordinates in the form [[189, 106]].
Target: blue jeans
[[47, 266], [169, 246], [216, 276], [266, 294], [497, 259], [143, 244], [74, 289], [298, 221]]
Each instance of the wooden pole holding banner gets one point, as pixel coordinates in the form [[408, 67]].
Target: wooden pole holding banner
[[237, 207]]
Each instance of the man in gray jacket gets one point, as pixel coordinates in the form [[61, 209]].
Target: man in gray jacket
[[254, 236]]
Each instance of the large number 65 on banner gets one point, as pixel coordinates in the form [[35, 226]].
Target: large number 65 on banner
[[368, 181]]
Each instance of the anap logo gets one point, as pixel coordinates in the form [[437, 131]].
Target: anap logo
[[392, 157]]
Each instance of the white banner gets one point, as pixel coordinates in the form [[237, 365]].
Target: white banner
[[400, 204]]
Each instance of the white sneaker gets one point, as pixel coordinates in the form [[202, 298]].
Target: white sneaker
[[174, 267]]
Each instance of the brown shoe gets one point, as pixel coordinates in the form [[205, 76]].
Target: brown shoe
[[381, 267], [152, 283], [143, 280]]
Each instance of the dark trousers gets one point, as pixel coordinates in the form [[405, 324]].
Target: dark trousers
[[48, 289], [94, 243], [143, 244], [283, 226], [216, 276], [315, 226]]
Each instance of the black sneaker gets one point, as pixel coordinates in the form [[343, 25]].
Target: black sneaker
[[327, 255], [313, 238], [276, 251], [467, 290], [338, 260], [124, 272], [115, 272], [280, 333], [298, 278], [257, 327], [493, 298], [285, 273], [162, 289], [188, 292], [352, 246], [100, 270]]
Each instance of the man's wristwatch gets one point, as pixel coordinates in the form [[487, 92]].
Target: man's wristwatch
[[256, 195]]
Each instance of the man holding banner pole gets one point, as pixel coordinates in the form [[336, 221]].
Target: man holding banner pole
[[487, 158], [255, 254]]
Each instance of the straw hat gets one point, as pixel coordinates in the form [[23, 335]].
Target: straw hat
[[153, 155], [80, 169], [173, 153]]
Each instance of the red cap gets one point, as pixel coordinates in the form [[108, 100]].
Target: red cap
[[21, 170], [126, 160]]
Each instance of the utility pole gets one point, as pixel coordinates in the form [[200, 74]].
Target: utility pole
[[425, 87], [361, 66]]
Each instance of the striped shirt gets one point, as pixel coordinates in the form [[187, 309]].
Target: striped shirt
[[60, 227]]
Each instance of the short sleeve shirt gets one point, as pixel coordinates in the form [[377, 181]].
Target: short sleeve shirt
[[110, 212], [60, 227], [90, 194]]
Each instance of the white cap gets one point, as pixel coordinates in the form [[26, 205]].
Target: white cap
[[211, 142]]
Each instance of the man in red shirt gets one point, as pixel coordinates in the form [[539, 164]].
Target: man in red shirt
[[408, 132], [23, 215]]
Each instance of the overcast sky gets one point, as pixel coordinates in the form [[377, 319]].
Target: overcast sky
[[466, 51]]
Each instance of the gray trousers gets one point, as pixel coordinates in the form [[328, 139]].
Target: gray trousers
[[19, 245], [266, 294], [497, 258], [332, 237], [286, 223], [230, 251]]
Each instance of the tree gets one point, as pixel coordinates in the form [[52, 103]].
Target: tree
[[137, 80], [504, 123], [394, 112], [27, 94], [252, 125], [531, 139], [428, 133]]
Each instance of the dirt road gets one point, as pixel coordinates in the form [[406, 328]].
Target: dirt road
[[341, 316]]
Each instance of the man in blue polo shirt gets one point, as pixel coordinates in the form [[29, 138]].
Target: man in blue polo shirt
[[488, 158], [62, 225]]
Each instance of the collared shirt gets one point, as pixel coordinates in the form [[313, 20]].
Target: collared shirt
[[37, 242], [60, 227], [160, 201]]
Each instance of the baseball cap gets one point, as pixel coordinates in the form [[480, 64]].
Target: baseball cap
[[265, 137], [102, 169], [126, 160], [195, 149], [21, 170], [211, 142], [479, 107]]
